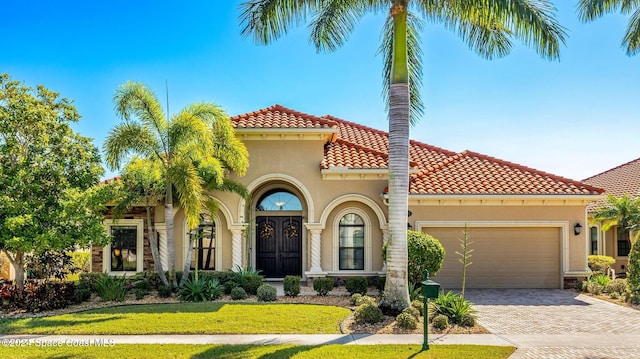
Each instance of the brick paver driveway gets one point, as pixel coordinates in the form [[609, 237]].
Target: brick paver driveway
[[554, 323]]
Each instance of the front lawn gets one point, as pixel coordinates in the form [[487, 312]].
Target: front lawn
[[261, 351], [188, 318]]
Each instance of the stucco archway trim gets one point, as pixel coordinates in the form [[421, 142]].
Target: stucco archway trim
[[354, 198], [279, 177]]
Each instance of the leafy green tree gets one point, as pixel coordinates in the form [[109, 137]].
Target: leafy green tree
[[487, 26], [194, 148], [49, 197], [590, 10]]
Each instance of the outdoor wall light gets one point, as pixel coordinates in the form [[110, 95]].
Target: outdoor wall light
[[577, 229]]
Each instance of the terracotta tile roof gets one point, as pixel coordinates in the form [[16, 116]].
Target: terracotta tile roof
[[474, 173], [109, 180], [278, 116], [441, 171], [617, 181]]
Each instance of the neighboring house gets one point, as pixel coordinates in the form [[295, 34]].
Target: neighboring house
[[317, 208], [618, 181]]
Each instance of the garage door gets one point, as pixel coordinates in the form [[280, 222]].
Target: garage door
[[502, 257]]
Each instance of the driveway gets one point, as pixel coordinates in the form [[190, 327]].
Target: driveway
[[554, 323]]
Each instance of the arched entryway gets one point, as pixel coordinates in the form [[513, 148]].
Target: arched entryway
[[278, 233]]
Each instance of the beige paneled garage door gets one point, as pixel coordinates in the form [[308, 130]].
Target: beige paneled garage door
[[502, 257]]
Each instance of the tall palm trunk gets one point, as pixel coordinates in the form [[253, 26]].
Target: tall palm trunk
[[168, 220], [396, 292], [153, 243]]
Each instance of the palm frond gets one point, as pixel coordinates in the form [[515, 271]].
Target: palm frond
[[334, 21], [268, 20], [184, 176], [211, 170], [232, 186], [631, 39], [135, 99], [589, 10], [228, 148], [189, 132], [414, 57], [128, 138]]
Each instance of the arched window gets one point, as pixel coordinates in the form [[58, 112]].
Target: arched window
[[351, 246], [204, 251], [279, 200]]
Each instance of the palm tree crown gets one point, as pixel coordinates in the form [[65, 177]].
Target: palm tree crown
[[194, 148]]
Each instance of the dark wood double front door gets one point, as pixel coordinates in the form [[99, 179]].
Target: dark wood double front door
[[279, 246]]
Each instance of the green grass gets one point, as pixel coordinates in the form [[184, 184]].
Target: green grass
[[188, 318], [260, 351]]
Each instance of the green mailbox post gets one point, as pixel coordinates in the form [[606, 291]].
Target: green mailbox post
[[430, 289]]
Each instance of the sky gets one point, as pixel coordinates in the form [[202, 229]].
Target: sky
[[575, 117]]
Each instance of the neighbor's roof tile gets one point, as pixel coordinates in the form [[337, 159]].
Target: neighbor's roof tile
[[617, 181]]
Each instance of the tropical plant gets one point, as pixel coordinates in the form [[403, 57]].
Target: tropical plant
[[590, 10], [601, 279], [49, 198], [452, 305], [623, 212], [486, 25], [201, 289], [111, 288], [194, 149]]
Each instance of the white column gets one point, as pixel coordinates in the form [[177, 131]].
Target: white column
[[316, 249], [162, 242], [385, 239], [236, 248]]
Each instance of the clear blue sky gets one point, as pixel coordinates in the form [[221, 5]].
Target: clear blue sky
[[575, 117]]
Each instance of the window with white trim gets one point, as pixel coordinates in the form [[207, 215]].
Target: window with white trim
[[126, 251], [351, 242]]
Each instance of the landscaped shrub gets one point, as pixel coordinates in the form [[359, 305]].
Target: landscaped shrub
[[633, 272], [600, 264], [50, 264], [291, 285], [413, 311], [111, 288], [440, 321], [357, 285], [453, 306], [197, 290], [88, 280], [140, 293], [323, 285], [40, 296], [82, 260], [594, 288], [424, 252], [251, 282], [363, 299], [267, 293], [142, 284], [406, 320], [614, 295], [618, 285], [419, 305], [238, 293], [380, 282], [165, 291], [601, 279], [368, 313], [82, 295], [467, 320]]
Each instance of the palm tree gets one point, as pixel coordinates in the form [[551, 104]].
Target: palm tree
[[144, 185], [486, 25], [198, 140], [623, 212], [590, 10]]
